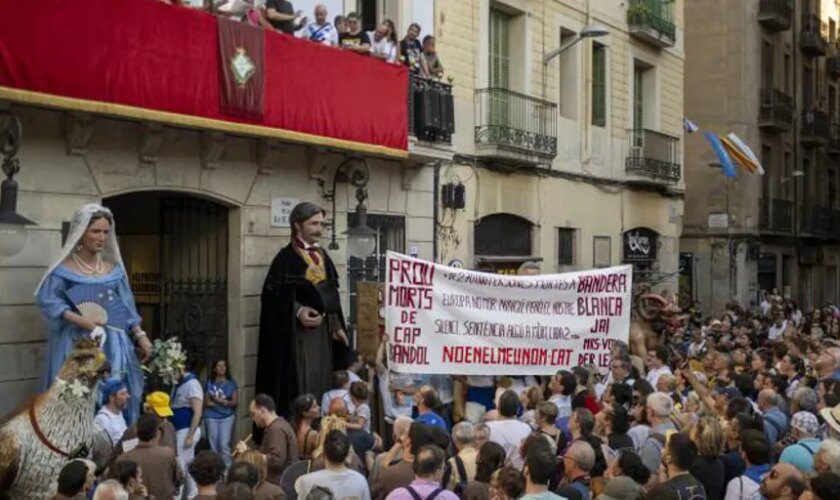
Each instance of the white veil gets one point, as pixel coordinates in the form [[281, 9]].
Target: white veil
[[78, 226]]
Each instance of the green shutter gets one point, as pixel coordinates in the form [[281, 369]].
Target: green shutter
[[599, 85], [499, 67], [638, 98]]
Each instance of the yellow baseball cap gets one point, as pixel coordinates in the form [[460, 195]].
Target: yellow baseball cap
[[159, 402]]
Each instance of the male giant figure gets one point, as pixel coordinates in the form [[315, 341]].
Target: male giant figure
[[302, 331]]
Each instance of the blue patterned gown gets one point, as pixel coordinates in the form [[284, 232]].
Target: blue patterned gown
[[119, 348]]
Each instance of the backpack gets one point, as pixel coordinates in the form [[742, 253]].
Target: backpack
[[416, 496], [462, 476]]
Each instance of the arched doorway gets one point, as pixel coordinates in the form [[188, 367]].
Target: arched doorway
[[175, 249], [502, 242]]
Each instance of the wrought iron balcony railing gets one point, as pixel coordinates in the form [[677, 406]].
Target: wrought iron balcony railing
[[431, 110], [816, 220], [775, 15], [815, 128], [652, 21], [653, 154], [516, 122], [811, 40], [776, 215], [776, 110]]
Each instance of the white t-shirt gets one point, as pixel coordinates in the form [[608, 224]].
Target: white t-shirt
[[563, 404], [509, 434], [384, 48], [113, 423], [363, 411], [742, 488], [183, 394], [775, 332], [335, 394], [344, 485], [653, 375]]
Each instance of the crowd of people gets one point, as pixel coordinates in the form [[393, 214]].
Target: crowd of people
[[742, 406], [344, 32]]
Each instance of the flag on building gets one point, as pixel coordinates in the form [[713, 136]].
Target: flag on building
[[720, 151], [742, 146], [689, 126]]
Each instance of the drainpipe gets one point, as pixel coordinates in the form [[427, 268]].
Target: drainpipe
[[436, 191]]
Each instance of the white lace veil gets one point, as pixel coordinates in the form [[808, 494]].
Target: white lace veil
[[78, 226]]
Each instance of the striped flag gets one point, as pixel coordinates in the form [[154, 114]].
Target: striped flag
[[741, 145], [720, 151]]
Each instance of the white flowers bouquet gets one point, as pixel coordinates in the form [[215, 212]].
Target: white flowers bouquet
[[167, 359]]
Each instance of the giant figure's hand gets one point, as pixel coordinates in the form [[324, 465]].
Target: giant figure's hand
[[309, 318]]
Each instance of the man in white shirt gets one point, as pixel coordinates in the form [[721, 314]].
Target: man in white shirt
[[340, 390], [115, 398], [344, 483], [381, 44], [321, 31], [657, 364], [509, 432]]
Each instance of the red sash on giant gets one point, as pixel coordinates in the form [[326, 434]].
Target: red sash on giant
[[241, 69]]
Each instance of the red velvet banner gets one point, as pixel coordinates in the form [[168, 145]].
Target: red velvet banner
[[242, 68], [149, 55]]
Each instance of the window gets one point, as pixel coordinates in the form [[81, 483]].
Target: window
[[638, 97], [566, 246], [767, 65], [502, 234], [599, 84], [832, 188], [787, 74], [568, 81], [807, 87], [499, 49], [787, 169], [390, 231], [423, 13], [767, 180]]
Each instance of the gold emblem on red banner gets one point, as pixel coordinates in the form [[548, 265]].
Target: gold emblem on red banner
[[242, 66]]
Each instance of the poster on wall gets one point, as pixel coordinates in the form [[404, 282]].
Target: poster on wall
[[446, 320]]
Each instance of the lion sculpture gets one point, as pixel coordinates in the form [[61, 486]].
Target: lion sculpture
[[36, 442]]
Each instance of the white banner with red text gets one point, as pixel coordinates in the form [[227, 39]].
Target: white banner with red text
[[444, 320]]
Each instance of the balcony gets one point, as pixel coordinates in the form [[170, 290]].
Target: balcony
[[815, 128], [431, 110], [776, 111], [652, 21], [816, 221], [274, 88], [653, 155], [775, 15], [811, 40], [776, 215], [514, 126]]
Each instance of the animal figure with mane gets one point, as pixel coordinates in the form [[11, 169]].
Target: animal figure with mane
[[36, 442], [654, 315]]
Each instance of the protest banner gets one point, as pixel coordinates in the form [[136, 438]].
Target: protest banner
[[447, 320]]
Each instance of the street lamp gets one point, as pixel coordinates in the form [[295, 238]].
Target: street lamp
[[592, 31], [13, 231], [361, 240]]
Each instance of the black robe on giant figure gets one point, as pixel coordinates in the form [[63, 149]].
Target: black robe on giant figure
[[292, 359]]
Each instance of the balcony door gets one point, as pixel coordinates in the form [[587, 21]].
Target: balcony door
[[499, 67]]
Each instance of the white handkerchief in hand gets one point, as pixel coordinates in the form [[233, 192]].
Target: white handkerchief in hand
[[98, 334]]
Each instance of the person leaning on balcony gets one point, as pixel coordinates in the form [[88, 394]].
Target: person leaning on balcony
[[355, 39], [320, 30], [411, 52], [281, 14], [433, 67]]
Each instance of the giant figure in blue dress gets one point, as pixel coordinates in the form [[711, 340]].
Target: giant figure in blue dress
[[91, 258]]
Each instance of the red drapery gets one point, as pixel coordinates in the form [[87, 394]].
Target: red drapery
[[151, 56]]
